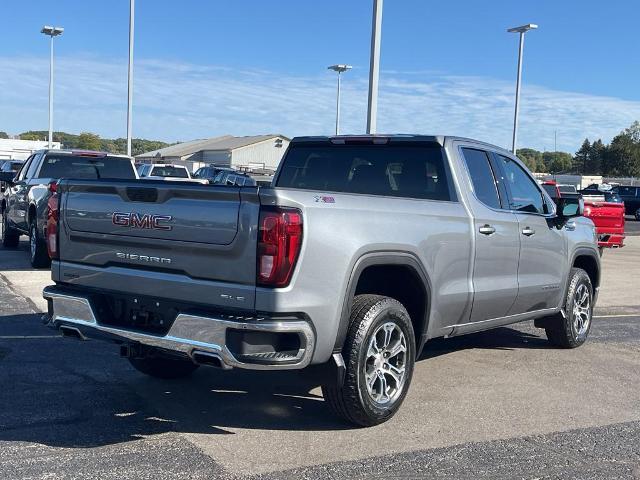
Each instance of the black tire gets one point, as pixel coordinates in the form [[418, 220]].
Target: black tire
[[353, 401], [637, 214], [569, 331], [10, 236], [38, 253], [163, 366]]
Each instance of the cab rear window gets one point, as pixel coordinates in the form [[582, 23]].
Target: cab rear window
[[389, 170], [72, 166]]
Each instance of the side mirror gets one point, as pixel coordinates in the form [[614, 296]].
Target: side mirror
[[569, 207]]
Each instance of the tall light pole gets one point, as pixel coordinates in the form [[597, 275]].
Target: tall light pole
[[521, 30], [374, 67], [130, 77], [340, 69], [51, 32]]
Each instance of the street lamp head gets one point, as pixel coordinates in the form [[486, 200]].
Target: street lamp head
[[523, 28], [341, 68], [52, 31]]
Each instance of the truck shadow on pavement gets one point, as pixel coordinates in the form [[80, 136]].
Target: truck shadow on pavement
[[67, 393]]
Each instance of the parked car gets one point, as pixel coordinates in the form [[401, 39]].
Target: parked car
[[9, 168], [233, 178], [24, 203], [159, 171], [210, 172], [630, 195], [362, 250], [608, 216]]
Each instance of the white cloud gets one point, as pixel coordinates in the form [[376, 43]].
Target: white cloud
[[181, 101]]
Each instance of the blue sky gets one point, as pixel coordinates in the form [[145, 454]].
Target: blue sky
[[205, 67]]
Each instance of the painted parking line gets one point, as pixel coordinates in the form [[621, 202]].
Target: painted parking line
[[619, 315], [27, 337]]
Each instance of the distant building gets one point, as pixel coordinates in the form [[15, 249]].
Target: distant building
[[259, 151], [12, 149]]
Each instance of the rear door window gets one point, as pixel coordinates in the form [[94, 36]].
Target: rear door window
[[627, 191], [396, 170], [482, 176], [85, 167]]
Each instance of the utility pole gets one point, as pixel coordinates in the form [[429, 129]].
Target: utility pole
[[130, 76], [374, 67]]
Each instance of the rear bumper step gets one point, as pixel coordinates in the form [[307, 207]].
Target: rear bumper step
[[194, 335]]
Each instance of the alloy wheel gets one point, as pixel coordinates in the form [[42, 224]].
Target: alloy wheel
[[581, 310], [385, 365]]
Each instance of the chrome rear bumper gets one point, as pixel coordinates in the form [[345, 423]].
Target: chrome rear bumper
[[189, 334]]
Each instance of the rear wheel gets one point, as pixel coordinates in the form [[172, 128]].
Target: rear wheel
[[37, 248], [572, 329], [163, 366], [637, 214], [379, 355], [10, 236]]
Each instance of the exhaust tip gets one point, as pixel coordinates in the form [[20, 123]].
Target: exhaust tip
[[71, 332], [210, 359]]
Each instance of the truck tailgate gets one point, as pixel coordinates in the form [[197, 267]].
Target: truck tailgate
[[179, 241]]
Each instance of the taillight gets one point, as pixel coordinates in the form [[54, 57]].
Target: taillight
[[53, 217], [279, 242]]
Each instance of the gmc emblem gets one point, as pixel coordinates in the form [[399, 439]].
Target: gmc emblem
[[145, 222]]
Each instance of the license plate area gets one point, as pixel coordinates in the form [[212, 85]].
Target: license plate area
[[144, 314]]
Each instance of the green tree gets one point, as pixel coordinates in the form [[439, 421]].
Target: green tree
[[4, 135], [88, 141], [532, 159], [595, 158], [581, 157], [558, 162]]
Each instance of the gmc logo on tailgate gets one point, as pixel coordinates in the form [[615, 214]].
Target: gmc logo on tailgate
[[145, 222]]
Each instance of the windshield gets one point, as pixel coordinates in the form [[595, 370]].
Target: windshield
[[78, 166], [169, 171]]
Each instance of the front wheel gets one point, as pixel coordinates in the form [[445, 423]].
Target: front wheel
[[379, 355], [572, 329], [37, 248]]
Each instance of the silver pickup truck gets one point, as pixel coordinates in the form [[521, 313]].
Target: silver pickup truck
[[363, 249]]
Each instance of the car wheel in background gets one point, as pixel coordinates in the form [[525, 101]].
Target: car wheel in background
[[37, 248], [379, 356], [637, 214], [572, 329], [10, 236]]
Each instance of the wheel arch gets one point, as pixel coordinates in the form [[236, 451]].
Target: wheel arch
[[399, 265], [589, 261]]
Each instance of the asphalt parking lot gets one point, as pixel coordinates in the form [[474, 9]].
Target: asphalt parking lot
[[498, 404]]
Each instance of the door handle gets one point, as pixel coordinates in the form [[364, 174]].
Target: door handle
[[528, 231], [487, 230]]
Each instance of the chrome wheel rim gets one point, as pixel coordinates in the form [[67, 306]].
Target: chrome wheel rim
[[32, 242], [581, 310], [385, 365]]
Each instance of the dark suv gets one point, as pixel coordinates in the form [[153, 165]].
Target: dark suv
[[630, 195]]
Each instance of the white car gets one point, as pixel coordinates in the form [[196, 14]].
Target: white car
[[164, 171]]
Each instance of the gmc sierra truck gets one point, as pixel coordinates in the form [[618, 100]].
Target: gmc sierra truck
[[362, 249]]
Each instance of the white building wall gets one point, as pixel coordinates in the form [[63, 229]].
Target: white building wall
[[11, 149], [264, 153]]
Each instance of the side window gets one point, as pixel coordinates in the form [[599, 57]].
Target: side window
[[23, 171], [482, 177], [525, 194], [35, 163]]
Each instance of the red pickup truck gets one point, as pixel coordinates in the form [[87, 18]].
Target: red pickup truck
[[608, 217]]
